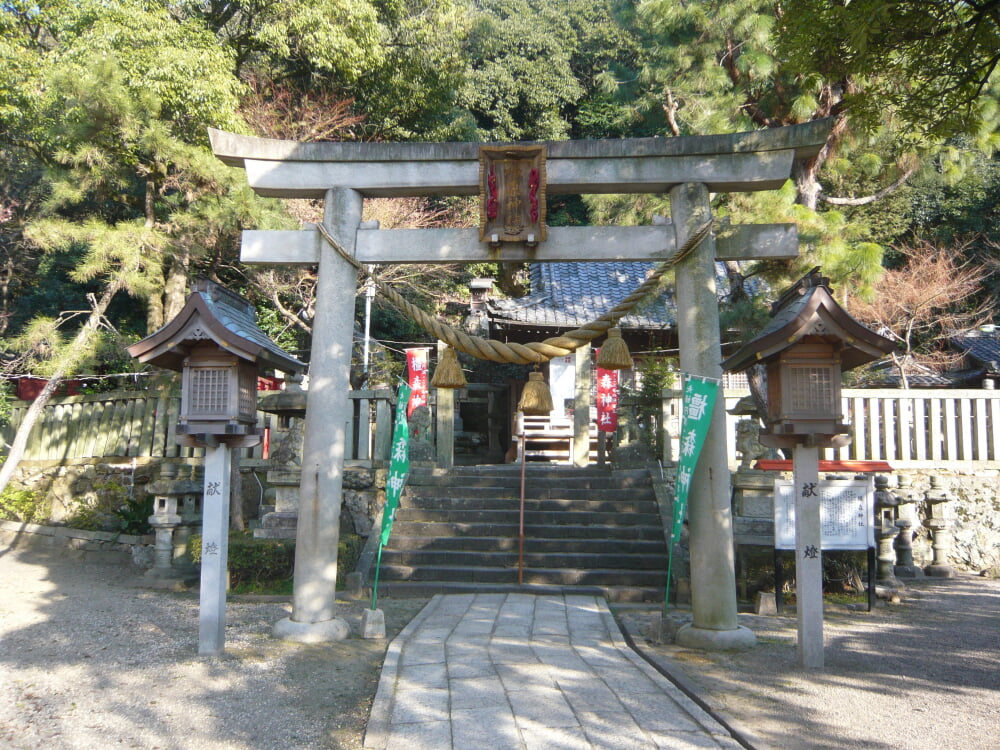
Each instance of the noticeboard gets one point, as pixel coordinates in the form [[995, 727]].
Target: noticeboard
[[847, 508]]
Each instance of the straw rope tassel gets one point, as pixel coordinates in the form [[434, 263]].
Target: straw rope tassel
[[614, 354], [448, 373], [536, 399]]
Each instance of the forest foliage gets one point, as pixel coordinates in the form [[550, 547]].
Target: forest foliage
[[107, 181]]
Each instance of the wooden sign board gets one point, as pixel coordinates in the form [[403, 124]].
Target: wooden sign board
[[512, 194], [847, 508]]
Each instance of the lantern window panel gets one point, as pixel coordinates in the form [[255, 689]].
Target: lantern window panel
[[248, 392], [811, 389], [209, 390]]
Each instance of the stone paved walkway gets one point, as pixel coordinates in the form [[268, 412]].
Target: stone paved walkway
[[523, 672]]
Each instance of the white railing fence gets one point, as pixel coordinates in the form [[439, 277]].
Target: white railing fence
[[908, 428]]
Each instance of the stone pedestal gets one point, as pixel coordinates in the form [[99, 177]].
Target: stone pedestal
[[939, 522], [906, 513], [281, 523], [172, 498], [372, 623], [886, 531]]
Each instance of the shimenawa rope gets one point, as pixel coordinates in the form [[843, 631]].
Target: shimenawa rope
[[534, 352]]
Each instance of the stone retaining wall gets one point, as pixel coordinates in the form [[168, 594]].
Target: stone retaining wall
[[138, 549]]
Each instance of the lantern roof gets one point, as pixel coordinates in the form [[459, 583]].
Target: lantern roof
[[213, 313], [808, 308]]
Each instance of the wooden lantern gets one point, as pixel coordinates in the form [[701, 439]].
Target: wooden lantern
[[803, 390], [216, 345], [218, 393], [809, 343]]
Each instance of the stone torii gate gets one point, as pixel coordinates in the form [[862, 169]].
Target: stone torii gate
[[688, 169]]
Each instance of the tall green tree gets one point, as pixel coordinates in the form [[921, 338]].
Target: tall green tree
[[534, 64], [931, 61], [727, 65]]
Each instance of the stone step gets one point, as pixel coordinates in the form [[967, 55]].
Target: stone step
[[426, 589], [581, 559], [562, 505], [546, 576], [535, 544], [566, 531], [532, 482], [531, 517], [531, 486], [458, 491]]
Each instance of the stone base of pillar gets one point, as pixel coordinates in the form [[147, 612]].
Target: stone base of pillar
[[738, 639], [278, 525], [326, 631], [373, 624], [940, 571], [170, 579], [908, 572]]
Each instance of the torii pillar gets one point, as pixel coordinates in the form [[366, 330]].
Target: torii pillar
[[314, 594], [687, 168], [713, 580]]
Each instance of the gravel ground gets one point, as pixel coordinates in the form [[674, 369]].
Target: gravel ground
[[89, 658], [923, 674]]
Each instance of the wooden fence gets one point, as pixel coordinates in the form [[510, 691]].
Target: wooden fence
[[908, 428], [141, 424], [923, 428]]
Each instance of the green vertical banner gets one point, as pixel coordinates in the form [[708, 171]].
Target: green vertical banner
[[696, 411], [399, 471]]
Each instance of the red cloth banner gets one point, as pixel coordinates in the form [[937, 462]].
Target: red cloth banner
[[417, 370], [607, 400]]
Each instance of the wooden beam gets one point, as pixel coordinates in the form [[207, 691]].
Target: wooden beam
[[646, 243]]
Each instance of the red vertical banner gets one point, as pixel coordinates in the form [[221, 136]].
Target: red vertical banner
[[607, 400], [416, 367]]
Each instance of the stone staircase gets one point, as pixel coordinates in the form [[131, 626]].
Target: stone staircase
[[590, 530]]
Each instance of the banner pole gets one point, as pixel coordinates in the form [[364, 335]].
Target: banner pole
[[378, 568]]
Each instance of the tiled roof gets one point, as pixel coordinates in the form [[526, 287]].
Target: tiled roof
[[982, 346], [573, 294], [239, 317], [214, 312]]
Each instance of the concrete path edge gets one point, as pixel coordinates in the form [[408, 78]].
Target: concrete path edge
[[377, 730]]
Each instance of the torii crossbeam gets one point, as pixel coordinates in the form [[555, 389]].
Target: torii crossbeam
[[688, 168]]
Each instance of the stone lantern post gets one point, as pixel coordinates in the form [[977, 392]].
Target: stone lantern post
[[809, 342], [285, 472], [886, 531], [906, 513], [172, 498], [939, 521], [215, 343]]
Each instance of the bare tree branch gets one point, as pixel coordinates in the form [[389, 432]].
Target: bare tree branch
[[870, 198]]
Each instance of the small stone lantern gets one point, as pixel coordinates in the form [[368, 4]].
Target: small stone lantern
[[937, 499]]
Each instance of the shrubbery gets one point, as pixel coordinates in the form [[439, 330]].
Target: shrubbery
[[110, 509], [267, 565], [27, 506]]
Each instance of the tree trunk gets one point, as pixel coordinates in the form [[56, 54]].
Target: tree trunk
[[175, 288], [74, 355], [236, 520]]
